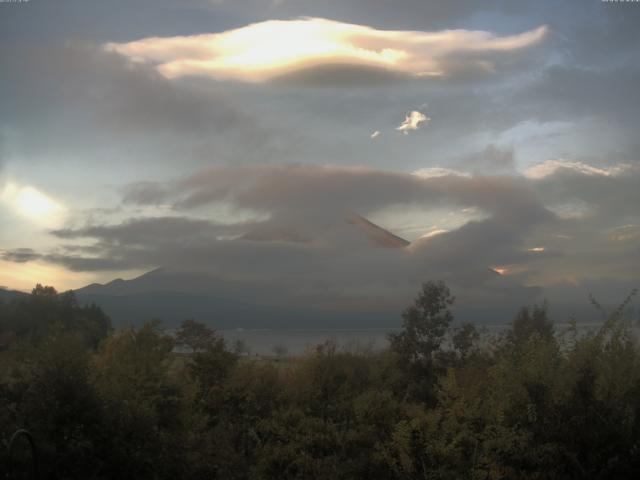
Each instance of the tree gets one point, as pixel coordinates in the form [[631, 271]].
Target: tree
[[280, 351], [530, 321], [240, 348], [33, 317], [212, 366], [464, 339], [143, 433], [424, 326], [194, 335]]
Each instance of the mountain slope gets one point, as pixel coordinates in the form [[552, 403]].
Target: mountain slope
[[7, 295], [172, 294], [376, 235]]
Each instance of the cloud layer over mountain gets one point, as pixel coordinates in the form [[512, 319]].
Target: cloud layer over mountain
[[297, 245]]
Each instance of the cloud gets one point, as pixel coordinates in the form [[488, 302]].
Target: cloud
[[94, 111], [493, 159], [317, 193], [512, 214], [300, 248], [435, 172], [20, 255], [413, 121], [625, 233], [274, 49], [305, 207], [144, 231], [553, 167], [598, 194]]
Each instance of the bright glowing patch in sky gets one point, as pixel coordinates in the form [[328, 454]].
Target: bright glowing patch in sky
[[31, 203], [34, 204], [262, 51]]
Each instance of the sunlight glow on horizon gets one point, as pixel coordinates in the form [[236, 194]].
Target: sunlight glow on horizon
[[25, 276]]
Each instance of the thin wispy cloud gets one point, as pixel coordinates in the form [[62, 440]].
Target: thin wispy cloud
[[435, 172], [550, 167]]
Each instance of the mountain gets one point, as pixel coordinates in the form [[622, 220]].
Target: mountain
[[7, 295], [173, 295], [377, 236]]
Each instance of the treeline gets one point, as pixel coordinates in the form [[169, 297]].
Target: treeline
[[441, 402]]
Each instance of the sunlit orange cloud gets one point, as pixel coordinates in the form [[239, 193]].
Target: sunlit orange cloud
[[261, 51]]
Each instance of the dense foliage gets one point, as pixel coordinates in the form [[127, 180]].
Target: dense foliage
[[442, 402]]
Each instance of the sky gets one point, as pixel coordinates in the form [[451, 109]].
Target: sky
[[498, 137]]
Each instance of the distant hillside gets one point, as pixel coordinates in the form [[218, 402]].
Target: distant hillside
[[222, 313], [10, 294]]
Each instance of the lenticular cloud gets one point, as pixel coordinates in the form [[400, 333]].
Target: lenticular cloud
[[272, 49]]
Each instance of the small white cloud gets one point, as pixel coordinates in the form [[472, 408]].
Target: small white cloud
[[375, 134], [413, 121]]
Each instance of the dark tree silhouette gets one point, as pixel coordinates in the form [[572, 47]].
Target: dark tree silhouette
[[194, 335]]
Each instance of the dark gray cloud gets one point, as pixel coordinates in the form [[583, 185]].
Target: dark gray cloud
[[311, 201], [315, 188], [20, 255], [145, 231], [305, 249], [103, 88], [84, 108]]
